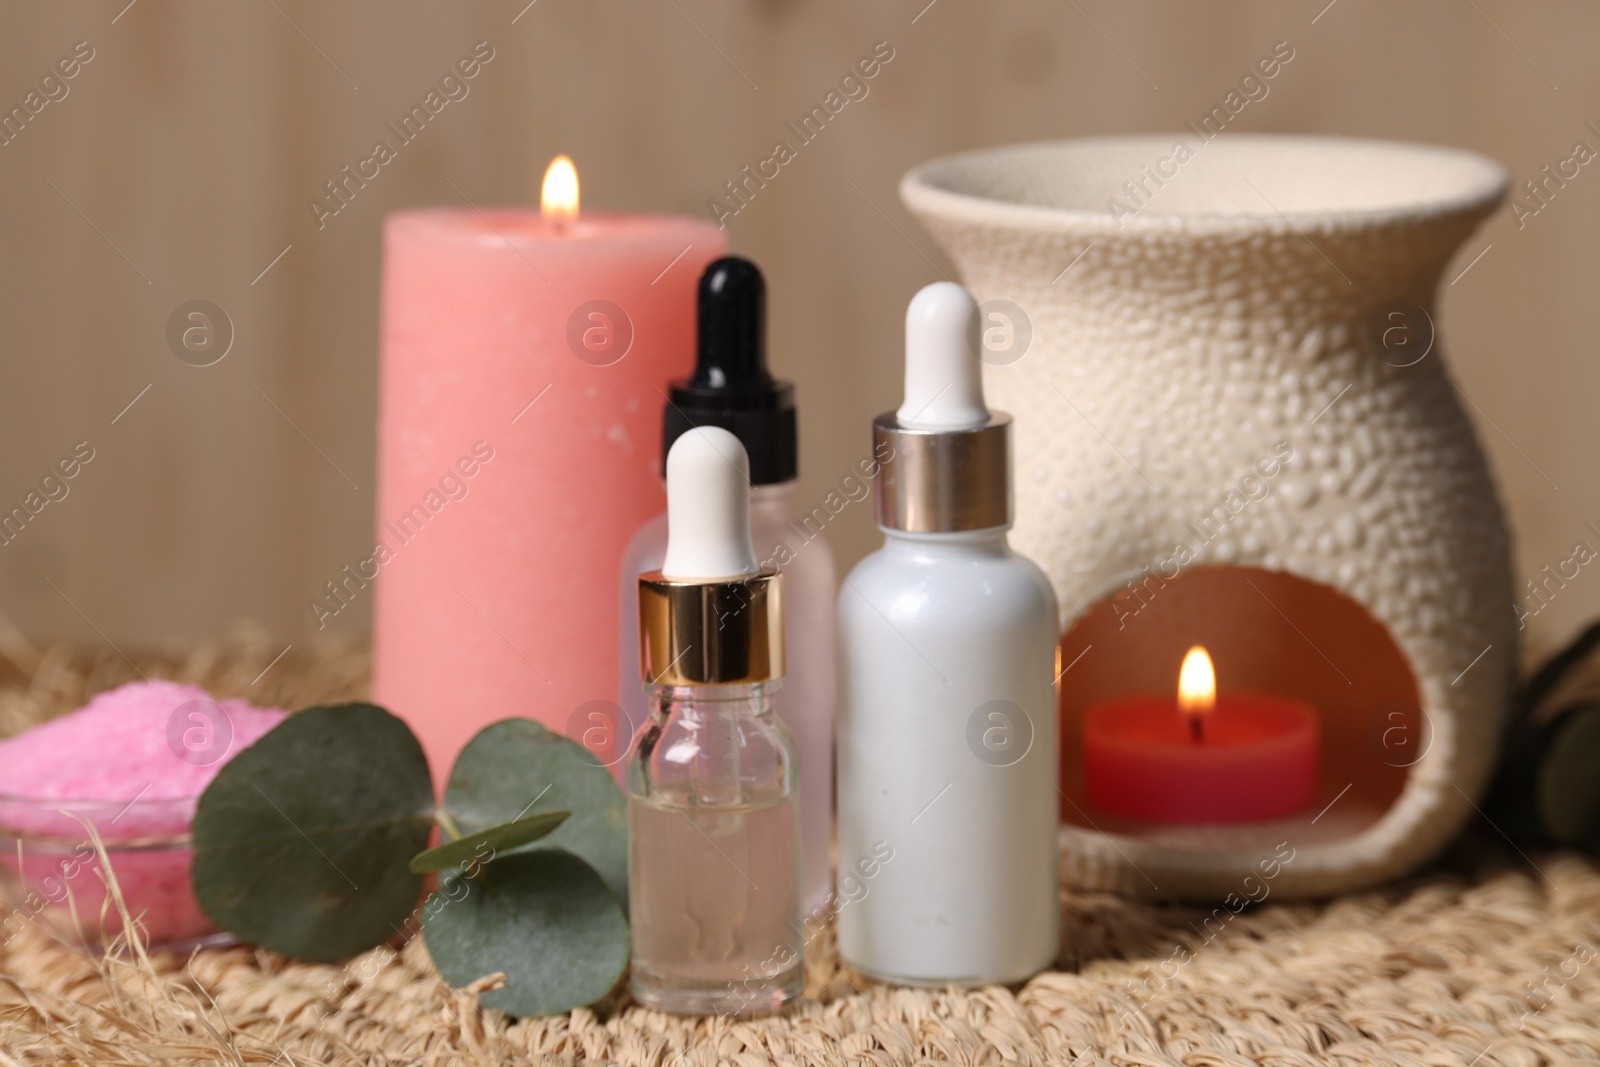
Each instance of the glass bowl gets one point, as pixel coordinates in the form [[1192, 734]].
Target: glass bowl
[[49, 869]]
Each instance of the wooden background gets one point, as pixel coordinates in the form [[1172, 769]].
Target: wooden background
[[181, 161]]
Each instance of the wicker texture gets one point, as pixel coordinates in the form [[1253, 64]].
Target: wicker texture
[[1491, 961]]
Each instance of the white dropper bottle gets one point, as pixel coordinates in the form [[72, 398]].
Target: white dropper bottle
[[947, 717], [713, 784]]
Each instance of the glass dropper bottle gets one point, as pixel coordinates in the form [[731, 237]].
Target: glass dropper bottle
[[713, 785]]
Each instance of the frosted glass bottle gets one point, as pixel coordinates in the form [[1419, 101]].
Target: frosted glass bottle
[[806, 702]]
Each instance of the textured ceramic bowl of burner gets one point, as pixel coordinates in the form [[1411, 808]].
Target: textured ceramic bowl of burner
[[1233, 395]]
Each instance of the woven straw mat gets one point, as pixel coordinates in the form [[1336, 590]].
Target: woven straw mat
[[1489, 958]]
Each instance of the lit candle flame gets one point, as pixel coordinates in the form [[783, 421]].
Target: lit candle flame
[[558, 196], [1197, 688]]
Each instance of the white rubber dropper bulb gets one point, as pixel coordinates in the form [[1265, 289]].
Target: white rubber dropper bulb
[[944, 383], [708, 507]]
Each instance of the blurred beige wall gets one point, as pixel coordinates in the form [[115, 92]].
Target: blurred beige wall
[[179, 163]]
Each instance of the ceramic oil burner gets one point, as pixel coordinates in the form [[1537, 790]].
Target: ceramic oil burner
[[1234, 427]]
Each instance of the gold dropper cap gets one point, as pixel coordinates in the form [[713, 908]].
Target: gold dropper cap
[[711, 615], [711, 633]]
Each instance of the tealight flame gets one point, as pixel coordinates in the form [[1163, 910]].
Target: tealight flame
[[1197, 688], [558, 196]]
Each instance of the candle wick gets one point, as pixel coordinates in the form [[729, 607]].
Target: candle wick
[[1197, 729]]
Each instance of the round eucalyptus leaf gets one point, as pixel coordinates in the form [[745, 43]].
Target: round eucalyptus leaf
[[517, 767], [543, 917], [1569, 777], [302, 841]]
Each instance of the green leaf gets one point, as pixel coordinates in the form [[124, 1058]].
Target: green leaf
[[1563, 663], [301, 842], [543, 917], [1520, 804], [493, 841], [1568, 791], [512, 765]]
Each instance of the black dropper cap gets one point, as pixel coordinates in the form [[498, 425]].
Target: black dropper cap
[[731, 387]]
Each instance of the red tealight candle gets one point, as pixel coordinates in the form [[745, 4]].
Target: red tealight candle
[[1203, 758]]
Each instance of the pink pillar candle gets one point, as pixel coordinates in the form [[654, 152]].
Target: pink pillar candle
[[519, 447], [1255, 757]]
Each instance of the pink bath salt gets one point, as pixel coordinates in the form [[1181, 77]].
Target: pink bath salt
[[133, 760]]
